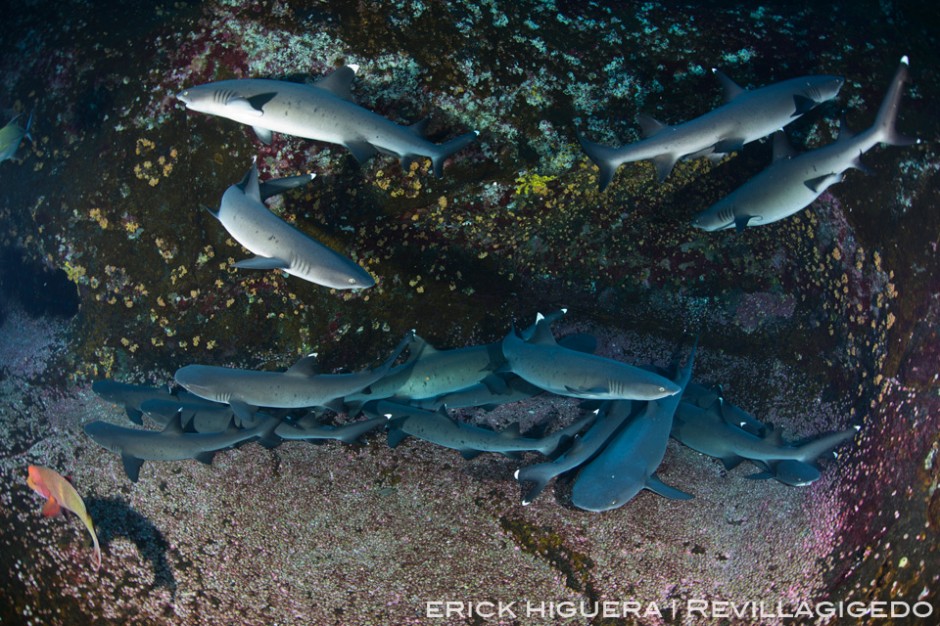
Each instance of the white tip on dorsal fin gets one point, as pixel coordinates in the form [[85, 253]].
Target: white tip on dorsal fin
[[388, 416], [905, 60], [516, 475], [354, 67], [539, 317]]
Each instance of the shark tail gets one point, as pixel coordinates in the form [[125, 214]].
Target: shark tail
[[539, 475], [442, 151], [604, 157], [884, 127], [815, 448]]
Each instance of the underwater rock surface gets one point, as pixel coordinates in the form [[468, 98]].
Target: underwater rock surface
[[823, 320]]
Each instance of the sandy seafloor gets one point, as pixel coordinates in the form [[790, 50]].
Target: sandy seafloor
[[823, 321]]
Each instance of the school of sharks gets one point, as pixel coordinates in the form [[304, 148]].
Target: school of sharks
[[629, 411]]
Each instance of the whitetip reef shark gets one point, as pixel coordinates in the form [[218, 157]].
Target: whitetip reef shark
[[748, 115], [278, 245], [324, 111], [792, 183], [172, 443], [440, 428], [298, 387], [627, 464], [308, 428], [540, 360], [707, 431]]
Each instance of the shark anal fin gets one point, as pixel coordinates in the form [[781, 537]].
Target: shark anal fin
[[262, 263], [132, 467], [264, 135], [470, 454], [731, 461], [660, 488], [362, 151]]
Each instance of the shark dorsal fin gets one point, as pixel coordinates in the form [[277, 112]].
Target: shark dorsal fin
[[732, 89], [175, 424], [420, 126], [774, 435], [649, 125], [306, 366], [338, 82], [249, 184], [542, 333]]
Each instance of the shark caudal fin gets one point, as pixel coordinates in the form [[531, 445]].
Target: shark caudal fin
[[443, 151], [604, 157], [539, 475], [884, 127], [811, 450]]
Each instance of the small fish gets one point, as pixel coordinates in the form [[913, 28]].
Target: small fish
[[61, 495], [11, 135]]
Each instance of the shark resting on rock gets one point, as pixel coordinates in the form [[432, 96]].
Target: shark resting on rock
[[324, 111], [298, 387]]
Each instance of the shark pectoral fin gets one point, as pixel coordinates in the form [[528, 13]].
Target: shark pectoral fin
[[338, 82], [732, 144], [132, 466], [591, 391], [134, 415], [802, 104], [662, 489], [760, 475], [243, 411], [396, 436], [205, 457], [406, 161], [213, 212], [470, 454], [664, 164], [495, 384], [262, 263], [741, 222], [264, 135], [821, 183], [362, 151], [250, 106]]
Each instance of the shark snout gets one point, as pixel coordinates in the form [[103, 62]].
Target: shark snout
[[184, 97]]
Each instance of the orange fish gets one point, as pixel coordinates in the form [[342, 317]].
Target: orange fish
[[61, 495]]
